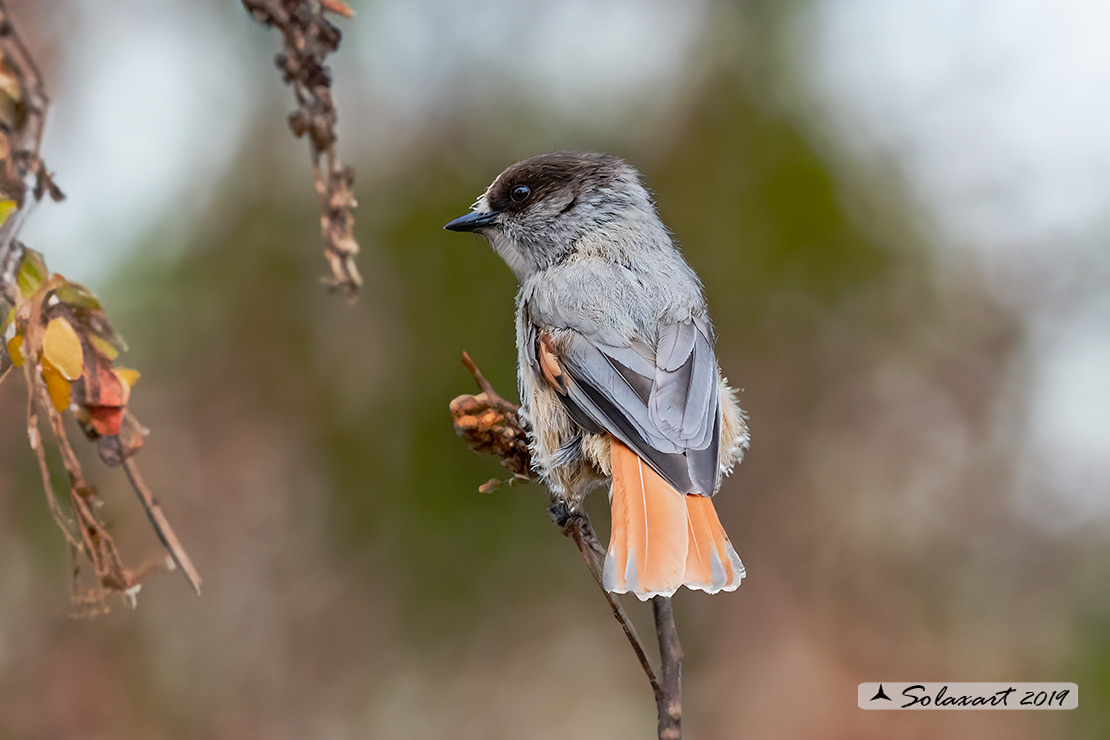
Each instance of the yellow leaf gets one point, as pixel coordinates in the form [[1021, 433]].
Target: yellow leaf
[[7, 208], [128, 376], [15, 350], [103, 346], [57, 386], [62, 346]]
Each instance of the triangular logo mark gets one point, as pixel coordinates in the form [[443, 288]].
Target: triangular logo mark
[[881, 694]]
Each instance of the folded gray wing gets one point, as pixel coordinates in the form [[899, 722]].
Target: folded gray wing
[[663, 403]]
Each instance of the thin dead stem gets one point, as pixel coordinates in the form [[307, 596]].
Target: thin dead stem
[[159, 521], [34, 436], [668, 701]]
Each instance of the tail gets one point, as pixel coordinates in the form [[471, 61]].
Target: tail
[[712, 564], [662, 539]]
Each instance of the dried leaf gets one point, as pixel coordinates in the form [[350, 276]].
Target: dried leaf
[[57, 386], [113, 450], [78, 296], [106, 421], [7, 208], [9, 82], [128, 376], [103, 387], [104, 347], [493, 484], [15, 350], [105, 400], [62, 347], [32, 271], [338, 7], [99, 327]]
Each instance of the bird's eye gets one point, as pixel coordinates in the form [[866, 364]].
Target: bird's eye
[[520, 193]]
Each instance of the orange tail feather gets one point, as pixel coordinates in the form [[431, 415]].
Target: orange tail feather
[[712, 564], [647, 548], [662, 539]]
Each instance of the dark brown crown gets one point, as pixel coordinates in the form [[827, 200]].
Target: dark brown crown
[[548, 174]]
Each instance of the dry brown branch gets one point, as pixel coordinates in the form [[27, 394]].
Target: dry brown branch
[[491, 425], [58, 333], [668, 700], [309, 37], [158, 518]]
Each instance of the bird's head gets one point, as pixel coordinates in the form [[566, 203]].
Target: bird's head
[[540, 211]]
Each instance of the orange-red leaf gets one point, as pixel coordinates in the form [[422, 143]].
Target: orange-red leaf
[[102, 386], [105, 420], [106, 396]]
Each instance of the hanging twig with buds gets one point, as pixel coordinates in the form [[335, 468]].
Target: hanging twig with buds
[[57, 332], [489, 424], [309, 37]]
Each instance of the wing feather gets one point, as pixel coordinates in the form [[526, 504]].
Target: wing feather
[[662, 402]]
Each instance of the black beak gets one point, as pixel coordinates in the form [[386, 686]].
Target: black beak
[[473, 221]]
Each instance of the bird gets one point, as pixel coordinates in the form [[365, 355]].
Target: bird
[[618, 378]]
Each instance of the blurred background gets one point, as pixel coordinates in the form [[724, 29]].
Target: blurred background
[[899, 210]]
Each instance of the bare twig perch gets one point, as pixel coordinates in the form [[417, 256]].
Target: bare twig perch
[[492, 425], [668, 700], [309, 37], [58, 333]]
